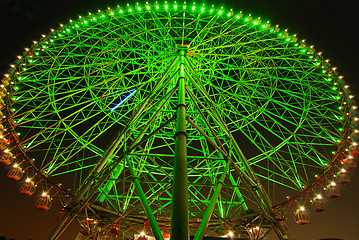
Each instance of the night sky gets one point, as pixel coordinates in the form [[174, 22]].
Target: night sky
[[331, 28]]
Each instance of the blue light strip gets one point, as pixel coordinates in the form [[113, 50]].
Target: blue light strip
[[124, 100]]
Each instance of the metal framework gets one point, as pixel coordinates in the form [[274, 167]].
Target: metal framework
[[194, 120]]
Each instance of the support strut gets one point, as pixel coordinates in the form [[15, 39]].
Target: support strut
[[87, 190], [179, 213], [151, 218]]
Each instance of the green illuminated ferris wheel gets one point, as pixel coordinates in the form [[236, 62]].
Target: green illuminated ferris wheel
[[190, 119]]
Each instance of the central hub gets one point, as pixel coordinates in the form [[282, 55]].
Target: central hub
[[183, 47]]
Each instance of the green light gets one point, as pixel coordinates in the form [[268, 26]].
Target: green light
[[94, 19], [103, 15], [77, 57], [85, 22], [130, 10], [76, 25]]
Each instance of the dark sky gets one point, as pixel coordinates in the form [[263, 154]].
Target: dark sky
[[331, 28]]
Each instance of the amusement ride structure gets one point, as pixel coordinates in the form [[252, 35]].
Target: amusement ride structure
[[171, 120]]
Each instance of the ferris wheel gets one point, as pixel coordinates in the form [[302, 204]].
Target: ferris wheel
[[176, 119]]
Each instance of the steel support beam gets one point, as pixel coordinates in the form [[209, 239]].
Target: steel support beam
[[179, 212], [79, 201], [207, 215], [259, 194], [151, 218]]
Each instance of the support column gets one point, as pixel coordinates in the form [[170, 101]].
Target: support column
[[86, 191], [259, 194], [151, 218], [179, 213], [208, 214]]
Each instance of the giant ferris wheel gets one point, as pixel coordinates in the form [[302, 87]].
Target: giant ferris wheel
[[174, 120]]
